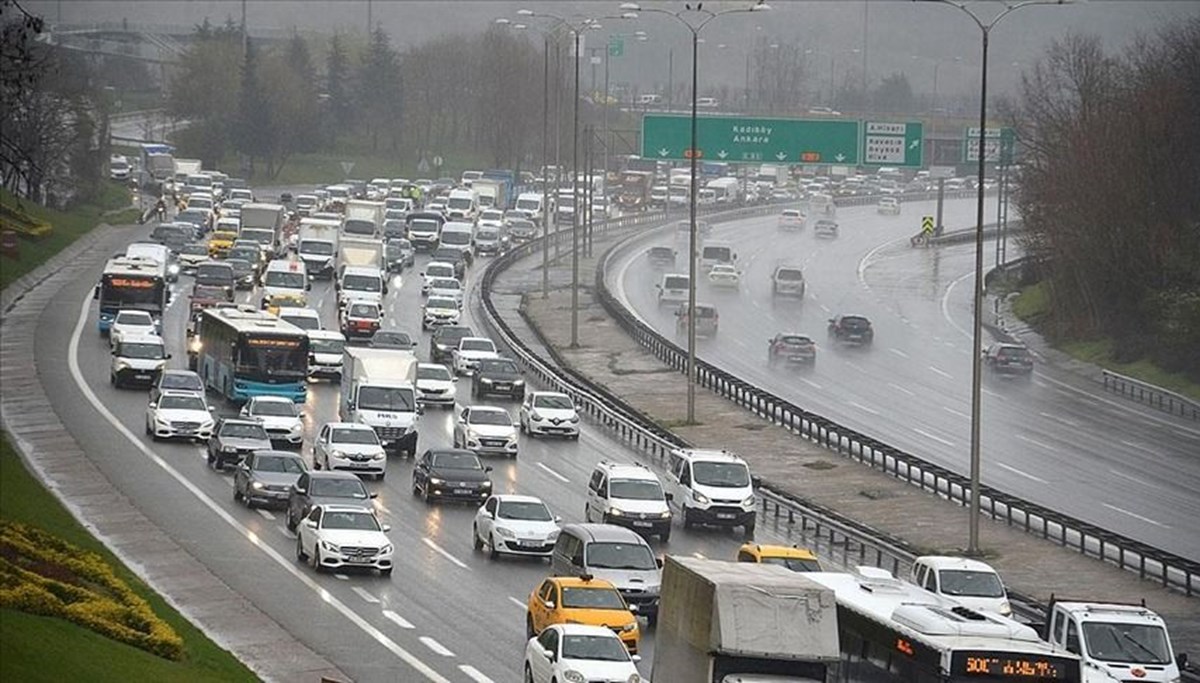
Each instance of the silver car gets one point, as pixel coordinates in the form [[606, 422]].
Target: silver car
[[266, 477]]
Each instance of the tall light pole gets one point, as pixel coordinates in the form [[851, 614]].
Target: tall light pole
[[985, 29], [576, 28], [701, 18]]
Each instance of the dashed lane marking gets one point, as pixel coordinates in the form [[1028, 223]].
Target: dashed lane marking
[[1133, 479], [362, 593], [898, 352], [1137, 516], [810, 383], [1035, 442], [284, 530], [956, 413], [1022, 473], [266, 514], [434, 645], [474, 674], [441, 551], [1061, 420], [941, 372], [397, 619], [901, 389], [518, 603], [341, 577], [935, 437], [556, 475], [865, 409]]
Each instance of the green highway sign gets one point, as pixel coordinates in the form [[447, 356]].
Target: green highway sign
[[892, 144], [616, 46], [998, 145], [738, 139]]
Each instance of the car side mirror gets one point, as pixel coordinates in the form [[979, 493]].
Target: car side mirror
[[669, 496], [487, 469], [310, 523], [96, 292], [548, 604], [212, 409], [489, 515], [557, 519], [387, 528], [635, 658], [373, 494], [167, 357], [299, 489], [308, 286], [1182, 660], [658, 561], [634, 609]]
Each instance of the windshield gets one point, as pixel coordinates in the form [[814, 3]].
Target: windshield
[[243, 430], [180, 380], [620, 556], [134, 318], [439, 270], [488, 234], [524, 510], [219, 274], [363, 311], [284, 279], [141, 351], [395, 399], [717, 253], [460, 203], [795, 564], [362, 437], [304, 322], [679, 191], [168, 402], [272, 359], [491, 216], [442, 303], [529, 204], [248, 254], [721, 474], [489, 417], [789, 275], [362, 283], [240, 267], [478, 345], [445, 283], [358, 227], [592, 598], [193, 250], [971, 583], [433, 372], [456, 461], [676, 283], [358, 521], [1135, 643], [326, 345], [596, 648], [391, 339], [278, 463], [423, 226], [552, 402], [274, 408], [316, 248], [456, 238], [501, 367], [635, 489], [338, 488]]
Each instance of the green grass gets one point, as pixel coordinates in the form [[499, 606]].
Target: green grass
[[1033, 306], [68, 227], [323, 168], [35, 648]]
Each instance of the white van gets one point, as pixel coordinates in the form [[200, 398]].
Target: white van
[[673, 288], [630, 496], [459, 235], [462, 205], [156, 252], [715, 254], [284, 277], [361, 283], [530, 204], [971, 583], [713, 488]]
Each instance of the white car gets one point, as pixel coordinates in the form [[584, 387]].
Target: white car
[[470, 351], [516, 525], [133, 324], [279, 416], [339, 536], [179, 415], [435, 384], [434, 270], [446, 287], [579, 652], [486, 430], [791, 219], [438, 311], [549, 412], [725, 276], [307, 319], [491, 217], [349, 446]]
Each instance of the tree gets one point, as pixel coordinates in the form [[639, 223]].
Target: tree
[[894, 94], [204, 90], [290, 92], [378, 89], [254, 135], [337, 73]]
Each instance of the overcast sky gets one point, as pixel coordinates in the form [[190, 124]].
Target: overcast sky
[[896, 35]]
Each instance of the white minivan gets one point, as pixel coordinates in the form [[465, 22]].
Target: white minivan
[[459, 235], [673, 288], [712, 488], [284, 277], [971, 583]]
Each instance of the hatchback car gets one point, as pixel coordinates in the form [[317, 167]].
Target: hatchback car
[[591, 653], [825, 228], [706, 320], [391, 339], [266, 478], [279, 415], [661, 257], [435, 385], [485, 429], [451, 474], [349, 446], [549, 413], [724, 276], [1008, 358], [470, 351], [498, 376], [132, 324], [445, 340], [792, 557], [851, 329], [176, 380], [234, 438], [361, 319], [515, 525], [438, 311], [434, 270], [791, 348]]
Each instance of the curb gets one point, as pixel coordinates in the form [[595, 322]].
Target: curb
[[62, 466]]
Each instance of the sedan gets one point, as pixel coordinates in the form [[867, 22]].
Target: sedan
[[724, 276], [320, 488], [579, 652], [132, 324], [484, 429], [179, 415], [446, 287], [453, 474], [548, 412], [439, 311], [279, 415], [516, 525], [435, 385], [392, 339], [340, 536], [349, 446], [176, 380], [267, 477], [233, 439], [498, 376]]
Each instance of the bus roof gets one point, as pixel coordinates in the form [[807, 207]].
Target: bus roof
[[135, 265], [253, 321]]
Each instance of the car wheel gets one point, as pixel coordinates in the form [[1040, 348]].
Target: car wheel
[[528, 673], [652, 619], [425, 494], [493, 554], [529, 630], [300, 554], [291, 522], [749, 530], [380, 476], [520, 425], [666, 535], [476, 541], [687, 518], [386, 572], [315, 558], [237, 496]]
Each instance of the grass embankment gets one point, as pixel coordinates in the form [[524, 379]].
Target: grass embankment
[[67, 227], [36, 648], [1032, 305], [325, 169]]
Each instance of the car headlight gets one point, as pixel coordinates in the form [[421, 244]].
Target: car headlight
[[485, 380], [506, 533], [122, 365], [749, 502], [533, 415], [574, 419], [573, 676], [616, 512], [1005, 608], [257, 485], [162, 364], [634, 678], [518, 383], [330, 547], [387, 549], [629, 627], [378, 456], [337, 454], [665, 514], [486, 485], [209, 424], [436, 481], [700, 498], [229, 449]]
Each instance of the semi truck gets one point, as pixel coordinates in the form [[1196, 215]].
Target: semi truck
[[317, 246], [634, 193], [263, 223], [1116, 641], [726, 622], [378, 389]]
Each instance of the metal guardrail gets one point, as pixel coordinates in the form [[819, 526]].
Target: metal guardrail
[[1172, 571], [1151, 395]]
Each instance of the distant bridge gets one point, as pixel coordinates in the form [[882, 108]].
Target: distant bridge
[[157, 43]]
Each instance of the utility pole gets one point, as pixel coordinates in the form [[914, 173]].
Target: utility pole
[[368, 19]]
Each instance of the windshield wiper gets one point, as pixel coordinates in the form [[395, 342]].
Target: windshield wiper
[[1155, 657]]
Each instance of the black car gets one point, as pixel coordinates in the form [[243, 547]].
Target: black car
[[243, 273], [176, 380], [250, 253], [321, 488], [235, 438], [398, 254], [391, 339], [452, 474], [461, 258], [852, 329], [498, 376], [1008, 358], [660, 257], [445, 339]]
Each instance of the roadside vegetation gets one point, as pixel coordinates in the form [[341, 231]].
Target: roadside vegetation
[[50, 565]]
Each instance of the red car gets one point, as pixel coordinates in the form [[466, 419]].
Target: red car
[[361, 319]]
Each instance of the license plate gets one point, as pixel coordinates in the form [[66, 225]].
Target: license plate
[[141, 376], [461, 492], [530, 544], [186, 431], [359, 560], [359, 464], [642, 524], [724, 515]]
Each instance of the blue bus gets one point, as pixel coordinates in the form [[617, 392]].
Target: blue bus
[[131, 283], [243, 353]]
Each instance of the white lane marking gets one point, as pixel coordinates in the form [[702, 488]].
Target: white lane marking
[[1035, 442], [552, 473], [946, 304], [341, 577], [861, 407], [435, 646], [698, 555], [1022, 473], [1140, 447], [957, 413], [284, 530], [856, 366], [439, 550], [266, 514], [1133, 479], [287, 564], [1056, 418], [518, 603], [927, 435], [397, 619], [898, 352], [1125, 408], [941, 372], [1137, 516], [824, 308], [362, 593], [901, 389], [810, 383], [993, 394], [474, 674]]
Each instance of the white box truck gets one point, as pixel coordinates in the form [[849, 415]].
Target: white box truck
[[729, 622], [363, 219], [317, 246], [263, 223], [1116, 641], [378, 389], [360, 252]]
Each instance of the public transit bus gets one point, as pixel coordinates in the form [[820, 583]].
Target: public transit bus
[[892, 631], [131, 283], [244, 353]]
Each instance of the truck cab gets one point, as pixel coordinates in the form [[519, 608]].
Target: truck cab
[[1117, 642]]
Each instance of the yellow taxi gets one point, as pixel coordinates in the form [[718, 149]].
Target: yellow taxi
[[581, 600], [793, 557], [278, 301], [220, 242]]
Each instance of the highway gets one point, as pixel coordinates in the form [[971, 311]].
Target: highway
[[1055, 440], [446, 614]]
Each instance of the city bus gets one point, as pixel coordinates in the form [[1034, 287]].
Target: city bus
[[131, 283], [892, 631], [244, 353]]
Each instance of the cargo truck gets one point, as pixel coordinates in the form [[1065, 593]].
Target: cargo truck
[[634, 193], [359, 252], [317, 246], [493, 194], [263, 223], [1116, 641], [733, 622], [378, 389], [363, 218]]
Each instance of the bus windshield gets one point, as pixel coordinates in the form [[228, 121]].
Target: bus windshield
[[132, 292], [272, 359]]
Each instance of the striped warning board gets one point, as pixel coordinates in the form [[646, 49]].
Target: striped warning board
[[927, 224]]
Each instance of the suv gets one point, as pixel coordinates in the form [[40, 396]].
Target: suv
[[791, 348], [888, 205], [629, 496], [825, 228], [970, 583], [445, 340], [713, 488], [706, 320], [498, 376], [615, 554], [852, 329], [788, 281], [1009, 358], [673, 288]]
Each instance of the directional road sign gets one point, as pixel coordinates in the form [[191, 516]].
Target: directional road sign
[[738, 139], [927, 224], [892, 144], [347, 166], [616, 46], [997, 144]]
